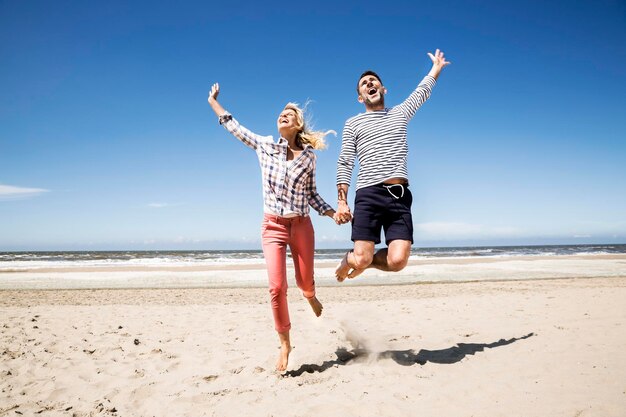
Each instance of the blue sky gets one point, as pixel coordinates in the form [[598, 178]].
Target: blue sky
[[107, 141]]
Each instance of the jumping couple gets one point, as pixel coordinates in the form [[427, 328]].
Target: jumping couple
[[378, 139]]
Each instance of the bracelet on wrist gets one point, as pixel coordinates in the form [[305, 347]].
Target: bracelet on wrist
[[224, 118]]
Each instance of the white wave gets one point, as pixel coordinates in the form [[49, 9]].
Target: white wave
[[19, 265]]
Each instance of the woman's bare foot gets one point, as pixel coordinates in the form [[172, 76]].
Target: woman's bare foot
[[343, 269], [285, 350], [316, 306], [283, 358]]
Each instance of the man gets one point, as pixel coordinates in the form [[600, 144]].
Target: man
[[383, 200]]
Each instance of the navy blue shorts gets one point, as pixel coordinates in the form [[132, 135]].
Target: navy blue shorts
[[383, 207]]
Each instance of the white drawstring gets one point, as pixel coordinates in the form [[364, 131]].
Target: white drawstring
[[388, 187]]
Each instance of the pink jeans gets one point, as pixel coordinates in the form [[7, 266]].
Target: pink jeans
[[278, 232]]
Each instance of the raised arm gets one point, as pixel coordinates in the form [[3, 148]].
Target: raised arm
[[419, 96], [246, 136], [439, 61], [215, 105]]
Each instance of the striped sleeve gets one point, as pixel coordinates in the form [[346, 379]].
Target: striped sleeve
[[417, 97], [345, 163]]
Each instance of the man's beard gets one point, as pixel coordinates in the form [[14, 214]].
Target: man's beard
[[379, 101]]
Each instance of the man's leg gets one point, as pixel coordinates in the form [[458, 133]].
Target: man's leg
[[391, 259], [356, 260], [394, 258], [398, 227]]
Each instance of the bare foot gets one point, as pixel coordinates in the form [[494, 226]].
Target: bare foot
[[355, 273], [283, 357], [285, 350], [316, 306], [343, 269]]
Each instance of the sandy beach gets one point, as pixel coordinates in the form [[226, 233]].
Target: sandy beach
[[452, 337]]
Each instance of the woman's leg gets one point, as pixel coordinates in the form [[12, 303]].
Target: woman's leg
[[285, 350], [302, 245], [275, 238]]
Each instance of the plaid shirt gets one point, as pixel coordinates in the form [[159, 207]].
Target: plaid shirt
[[287, 188]]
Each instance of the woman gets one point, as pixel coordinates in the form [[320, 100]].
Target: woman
[[288, 169]]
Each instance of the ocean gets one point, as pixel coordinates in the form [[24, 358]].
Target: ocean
[[16, 261]]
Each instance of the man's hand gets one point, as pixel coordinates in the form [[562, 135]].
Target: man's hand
[[343, 214], [439, 61]]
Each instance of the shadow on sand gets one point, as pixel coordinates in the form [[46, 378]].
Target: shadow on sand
[[409, 357]]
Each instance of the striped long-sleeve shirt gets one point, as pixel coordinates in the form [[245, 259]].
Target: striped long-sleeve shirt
[[378, 140], [288, 188]]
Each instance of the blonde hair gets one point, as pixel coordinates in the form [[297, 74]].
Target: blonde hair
[[315, 138]]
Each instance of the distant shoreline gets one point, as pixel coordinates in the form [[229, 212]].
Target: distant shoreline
[[260, 265], [448, 269]]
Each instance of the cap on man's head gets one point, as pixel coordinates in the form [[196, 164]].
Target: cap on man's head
[[368, 72]]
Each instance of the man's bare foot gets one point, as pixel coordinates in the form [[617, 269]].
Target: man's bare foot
[[316, 306], [343, 269], [283, 357], [355, 273]]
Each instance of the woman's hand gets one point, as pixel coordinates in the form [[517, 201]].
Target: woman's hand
[[215, 90], [217, 107]]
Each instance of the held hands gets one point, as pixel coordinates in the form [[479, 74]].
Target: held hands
[[333, 215], [342, 215], [215, 90]]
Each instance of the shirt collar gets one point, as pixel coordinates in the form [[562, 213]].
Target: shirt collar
[[283, 141]]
